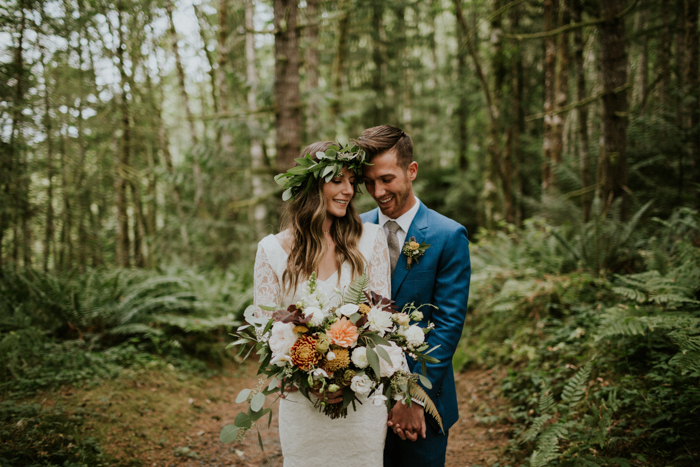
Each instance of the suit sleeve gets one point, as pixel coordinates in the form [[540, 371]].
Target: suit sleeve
[[450, 295]]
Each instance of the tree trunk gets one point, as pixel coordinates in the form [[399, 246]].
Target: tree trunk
[[121, 160], [550, 146], [642, 50], [664, 60], [48, 128], [287, 100], [65, 258], [205, 26], [257, 156], [613, 63], [692, 80], [338, 62], [377, 113], [518, 116], [226, 139], [463, 103], [197, 171], [582, 113], [311, 68]]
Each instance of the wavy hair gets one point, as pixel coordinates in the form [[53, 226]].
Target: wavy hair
[[304, 216]]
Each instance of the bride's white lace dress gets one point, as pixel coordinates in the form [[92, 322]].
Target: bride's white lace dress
[[308, 437]]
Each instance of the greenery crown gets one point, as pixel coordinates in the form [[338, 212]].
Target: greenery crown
[[329, 165]]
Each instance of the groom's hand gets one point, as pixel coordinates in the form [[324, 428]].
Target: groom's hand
[[407, 421]]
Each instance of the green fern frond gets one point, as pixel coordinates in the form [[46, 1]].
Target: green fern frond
[[546, 403], [418, 393], [545, 453], [135, 328], [536, 427], [355, 293], [631, 294], [687, 362], [574, 389]]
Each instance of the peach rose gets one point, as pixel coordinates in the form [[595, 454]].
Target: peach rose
[[343, 333]]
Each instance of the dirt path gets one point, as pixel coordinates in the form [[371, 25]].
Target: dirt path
[[166, 419]]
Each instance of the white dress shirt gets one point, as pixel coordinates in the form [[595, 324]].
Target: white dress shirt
[[404, 222]]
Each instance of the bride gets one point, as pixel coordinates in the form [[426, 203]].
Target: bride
[[323, 233]]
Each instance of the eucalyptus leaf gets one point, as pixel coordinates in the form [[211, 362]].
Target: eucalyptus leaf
[[425, 381], [242, 396], [257, 402], [242, 420], [228, 434], [383, 353], [373, 360]]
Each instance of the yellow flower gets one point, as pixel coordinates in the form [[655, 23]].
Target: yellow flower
[[414, 245], [341, 360], [300, 329], [364, 309]]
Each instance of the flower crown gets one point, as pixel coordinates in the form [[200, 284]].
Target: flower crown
[[330, 164]]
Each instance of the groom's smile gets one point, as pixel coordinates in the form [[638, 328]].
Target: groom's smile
[[390, 185]]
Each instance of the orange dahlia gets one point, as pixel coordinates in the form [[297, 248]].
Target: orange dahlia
[[304, 353], [343, 333]]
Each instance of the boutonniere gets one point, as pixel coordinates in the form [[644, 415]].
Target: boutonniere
[[413, 250]]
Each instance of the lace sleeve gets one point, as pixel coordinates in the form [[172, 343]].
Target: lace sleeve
[[378, 266], [267, 290]]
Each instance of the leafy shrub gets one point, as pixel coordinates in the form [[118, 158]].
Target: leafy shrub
[[633, 337]]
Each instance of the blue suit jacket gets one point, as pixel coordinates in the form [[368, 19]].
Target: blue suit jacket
[[441, 277]]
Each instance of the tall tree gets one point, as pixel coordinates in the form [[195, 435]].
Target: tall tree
[[692, 79], [256, 144], [287, 99], [613, 65], [582, 112], [551, 151], [123, 152], [311, 64]]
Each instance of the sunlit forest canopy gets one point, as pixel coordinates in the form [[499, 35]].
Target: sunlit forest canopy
[[139, 140], [135, 133]]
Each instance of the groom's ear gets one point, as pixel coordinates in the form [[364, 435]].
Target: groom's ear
[[412, 170]]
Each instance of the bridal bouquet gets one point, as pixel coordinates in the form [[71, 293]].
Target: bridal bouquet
[[356, 341]]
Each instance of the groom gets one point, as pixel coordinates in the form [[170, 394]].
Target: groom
[[441, 277]]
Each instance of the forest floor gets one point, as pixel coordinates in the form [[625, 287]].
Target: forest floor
[[163, 418]]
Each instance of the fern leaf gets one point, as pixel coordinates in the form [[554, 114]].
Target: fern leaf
[[536, 427], [632, 294], [355, 293], [574, 389], [546, 403], [418, 393]]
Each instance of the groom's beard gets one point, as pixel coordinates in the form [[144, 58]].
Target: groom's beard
[[396, 204]]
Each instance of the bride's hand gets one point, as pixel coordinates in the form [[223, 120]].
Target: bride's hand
[[330, 397], [290, 389]]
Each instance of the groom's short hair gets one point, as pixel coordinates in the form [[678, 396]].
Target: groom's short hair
[[380, 139]]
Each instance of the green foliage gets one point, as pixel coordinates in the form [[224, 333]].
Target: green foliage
[[57, 329], [36, 436], [533, 311]]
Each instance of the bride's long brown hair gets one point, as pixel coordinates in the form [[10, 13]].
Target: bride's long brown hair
[[304, 217]]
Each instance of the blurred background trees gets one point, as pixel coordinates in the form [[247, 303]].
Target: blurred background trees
[[138, 133]]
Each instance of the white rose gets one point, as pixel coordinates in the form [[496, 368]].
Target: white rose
[[402, 319], [348, 310], [361, 385], [317, 315], [359, 357], [379, 321], [414, 336], [282, 338], [398, 360]]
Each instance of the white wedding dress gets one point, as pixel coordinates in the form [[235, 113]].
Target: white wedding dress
[[308, 437]]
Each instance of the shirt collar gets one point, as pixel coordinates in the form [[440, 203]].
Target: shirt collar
[[404, 220]]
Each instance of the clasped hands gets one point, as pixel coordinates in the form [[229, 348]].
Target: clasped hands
[[407, 421]]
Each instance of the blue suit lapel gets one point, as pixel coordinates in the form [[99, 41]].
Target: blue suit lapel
[[418, 229]]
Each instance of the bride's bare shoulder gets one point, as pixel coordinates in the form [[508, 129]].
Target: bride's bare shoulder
[[285, 240]]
